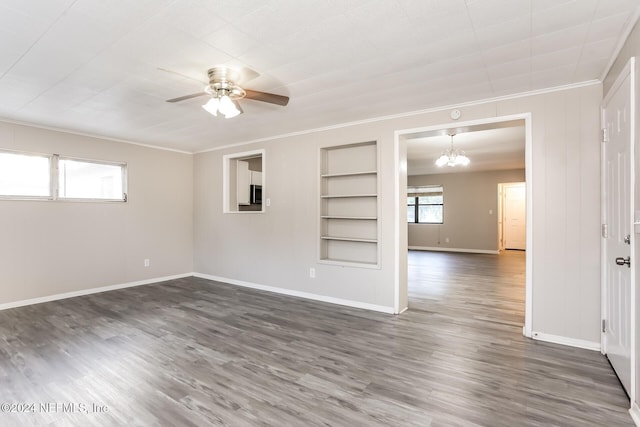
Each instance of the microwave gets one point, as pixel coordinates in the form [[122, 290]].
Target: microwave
[[255, 193]]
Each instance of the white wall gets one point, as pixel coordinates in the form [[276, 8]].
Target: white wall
[[278, 247], [566, 206], [468, 198], [49, 248]]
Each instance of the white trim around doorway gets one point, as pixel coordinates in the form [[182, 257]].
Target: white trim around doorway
[[400, 169]]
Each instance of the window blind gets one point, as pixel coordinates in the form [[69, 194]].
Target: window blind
[[430, 190]]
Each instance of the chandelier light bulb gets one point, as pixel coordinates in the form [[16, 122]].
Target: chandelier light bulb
[[442, 160], [462, 160]]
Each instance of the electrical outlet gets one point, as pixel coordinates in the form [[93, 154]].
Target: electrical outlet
[[146, 262], [446, 240], [312, 273]]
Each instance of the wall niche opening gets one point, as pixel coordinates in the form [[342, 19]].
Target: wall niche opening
[[244, 178]]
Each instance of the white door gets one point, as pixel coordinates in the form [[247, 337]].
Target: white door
[[514, 224], [617, 229]]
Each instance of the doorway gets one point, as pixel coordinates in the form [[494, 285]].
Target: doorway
[[512, 216], [402, 240]]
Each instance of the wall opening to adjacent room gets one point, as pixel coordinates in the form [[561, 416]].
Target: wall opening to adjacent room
[[499, 153]]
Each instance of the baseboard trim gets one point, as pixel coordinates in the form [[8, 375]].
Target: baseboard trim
[[299, 294], [82, 292], [635, 413], [441, 249], [572, 342], [404, 309]]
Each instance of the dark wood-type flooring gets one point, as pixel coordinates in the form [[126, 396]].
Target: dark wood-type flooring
[[191, 352]]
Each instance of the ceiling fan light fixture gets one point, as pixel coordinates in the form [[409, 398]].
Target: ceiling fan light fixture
[[232, 113], [228, 107], [224, 93], [212, 106], [223, 105]]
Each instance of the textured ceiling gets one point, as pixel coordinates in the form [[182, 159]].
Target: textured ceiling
[[93, 66]]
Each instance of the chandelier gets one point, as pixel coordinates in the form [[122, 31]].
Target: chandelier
[[452, 157]]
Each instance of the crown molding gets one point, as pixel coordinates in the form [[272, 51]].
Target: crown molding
[[407, 114], [90, 135]]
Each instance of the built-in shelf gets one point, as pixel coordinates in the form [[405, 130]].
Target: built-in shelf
[[342, 262], [349, 209], [371, 218], [334, 175], [341, 196], [349, 239]]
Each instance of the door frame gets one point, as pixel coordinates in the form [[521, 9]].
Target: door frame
[[401, 233], [628, 70], [500, 217]]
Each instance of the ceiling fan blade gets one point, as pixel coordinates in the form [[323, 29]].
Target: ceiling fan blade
[[271, 98], [182, 98], [181, 75]]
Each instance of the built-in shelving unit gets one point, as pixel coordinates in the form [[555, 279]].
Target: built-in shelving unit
[[347, 217], [338, 196], [349, 204]]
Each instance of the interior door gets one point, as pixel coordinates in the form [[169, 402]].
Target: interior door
[[514, 223], [617, 230]]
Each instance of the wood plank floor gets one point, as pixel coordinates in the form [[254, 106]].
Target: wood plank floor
[[193, 353]]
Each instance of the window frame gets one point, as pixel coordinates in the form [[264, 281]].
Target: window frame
[[50, 196], [415, 193], [54, 183], [123, 171]]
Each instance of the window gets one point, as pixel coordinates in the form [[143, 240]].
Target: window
[[51, 177], [25, 175], [82, 179], [425, 205]]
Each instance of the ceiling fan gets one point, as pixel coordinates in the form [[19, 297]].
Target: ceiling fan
[[224, 92]]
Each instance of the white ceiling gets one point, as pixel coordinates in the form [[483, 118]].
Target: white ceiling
[[489, 147], [92, 66]]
